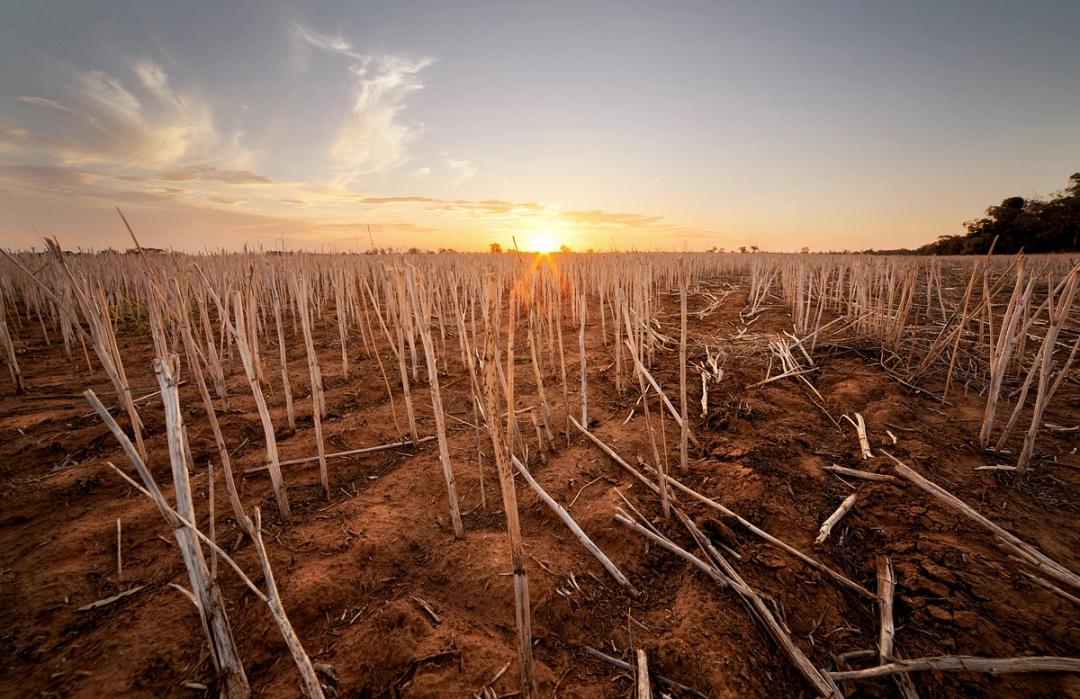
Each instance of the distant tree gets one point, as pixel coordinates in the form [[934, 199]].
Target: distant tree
[[1032, 225], [742, 248], [495, 247], [805, 249], [565, 248], [754, 248]]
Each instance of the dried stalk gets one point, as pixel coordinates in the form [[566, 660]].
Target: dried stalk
[[684, 422], [623, 665], [656, 387], [239, 332], [1058, 317], [9, 347], [312, 688], [644, 690], [584, 375], [813, 563], [820, 681], [574, 527], [1028, 553], [886, 586], [668, 545], [318, 402], [119, 552], [865, 475], [422, 311], [849, 584], [212, 615], [509, 494], [864, 441], [964, 663], [275, 296], [834, 518], [350, 452]]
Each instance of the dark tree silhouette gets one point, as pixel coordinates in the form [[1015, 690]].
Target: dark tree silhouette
[[1032, 225]]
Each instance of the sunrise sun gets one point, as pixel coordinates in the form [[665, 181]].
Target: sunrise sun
[[544, 241]]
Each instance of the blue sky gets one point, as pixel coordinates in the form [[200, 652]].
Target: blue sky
[[672, 125]]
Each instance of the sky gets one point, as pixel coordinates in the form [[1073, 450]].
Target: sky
[[633, 125]]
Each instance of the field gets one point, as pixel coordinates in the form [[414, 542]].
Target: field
[[740, 475]]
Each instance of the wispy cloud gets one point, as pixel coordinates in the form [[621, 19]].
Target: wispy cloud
[[46, 176], [47, 104], [497, 208], [374, 135], [209, 172], [143, 121], [382, 201], [597, 217], [464, 206], [89, 184], [535, 211], [462, 170], [360, 227], [306, 37]]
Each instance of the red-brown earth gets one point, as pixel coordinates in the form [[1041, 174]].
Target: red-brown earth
[[350, 569]]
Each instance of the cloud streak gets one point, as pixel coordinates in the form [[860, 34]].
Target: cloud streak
[[535, 213], [143, 121], [374, 135], [211, 173], [463, 170], [137, 128], [48, 104], [306, 36]]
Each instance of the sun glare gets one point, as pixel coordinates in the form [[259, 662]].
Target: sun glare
[[544, 241]]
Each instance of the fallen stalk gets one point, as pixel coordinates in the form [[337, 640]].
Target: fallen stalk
[[834, 519], [758, 609], [574, 527], [865, 475], [668, 545], [1007, 541], [850, 584], [623, 665], [350, 452], [964, 663], [813, 563]]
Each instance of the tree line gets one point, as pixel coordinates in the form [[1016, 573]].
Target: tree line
[[1031, 225]]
